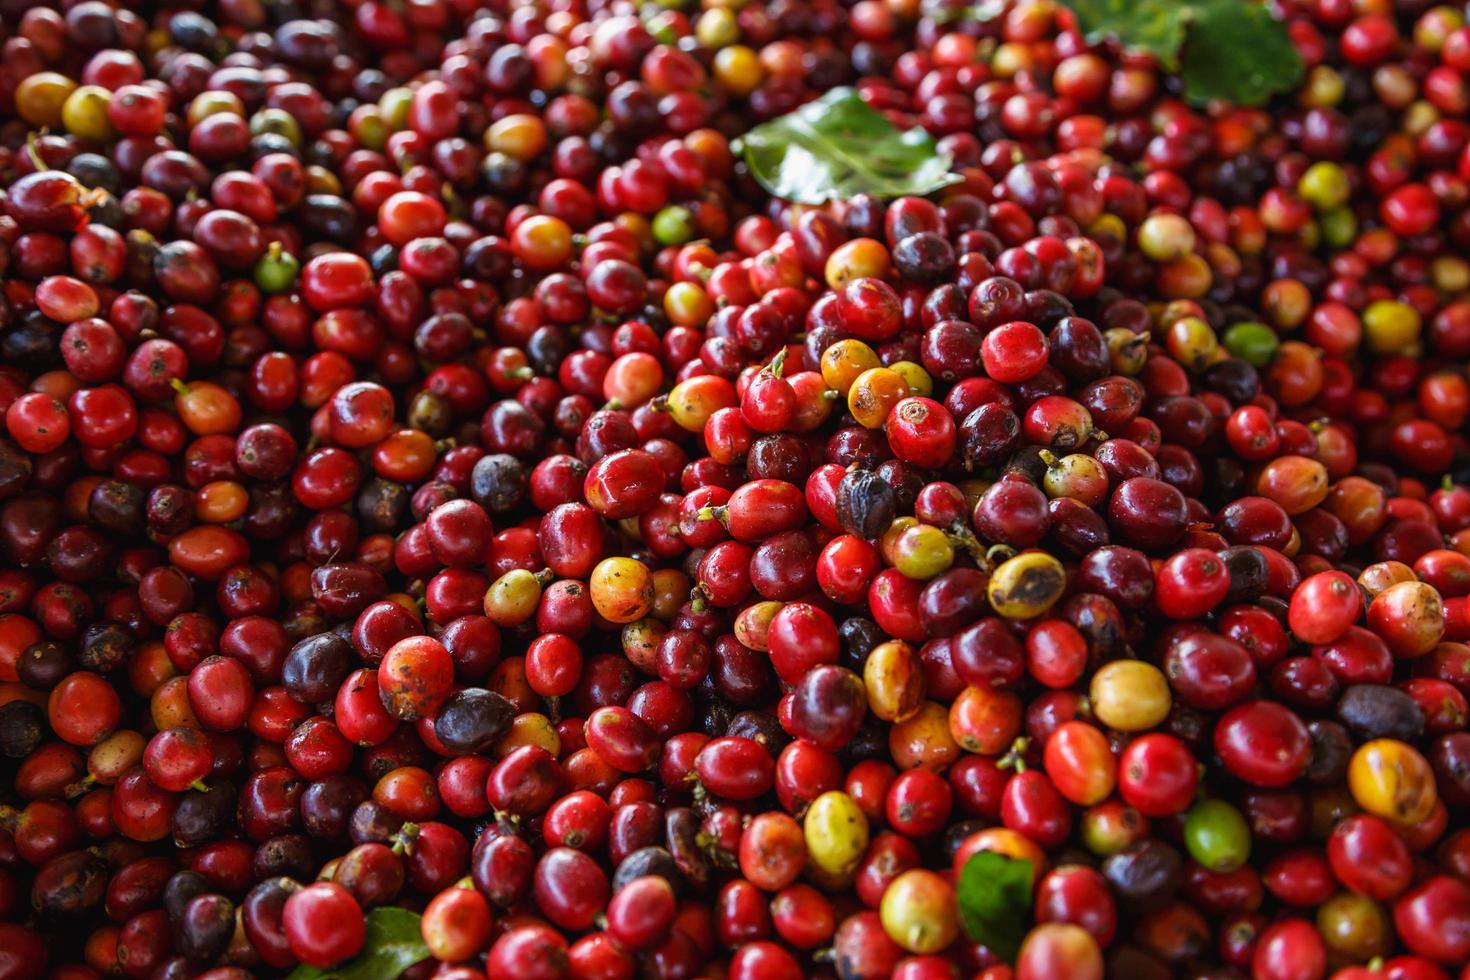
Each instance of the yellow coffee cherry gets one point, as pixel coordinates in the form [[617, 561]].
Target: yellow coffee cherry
[[861, 258], [716, 28], [1324, 87], [893, 677], [519, 135], [395, 104], [692, 402], [529, 728], [874, 394], [1130, 695], [1192, 342], [1339, 227], [1380, 576], [39, 98], [512, 599], [1165, 237], [754, 623], [84, 113], [1390, 779], [1390, 327], [738, 69], [1354, 927], [688, 305], [1325, 186], [1026, 585], [622, 589], [1128, 351], [207, 104], [919, 912], [836, 833], [922, 551], [1108, 226], [918, 379], [846, 360]]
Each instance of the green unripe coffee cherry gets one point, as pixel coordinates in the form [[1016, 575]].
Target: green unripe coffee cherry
[[1252, 342], [1217, 836], [673, 225], [276, 270]]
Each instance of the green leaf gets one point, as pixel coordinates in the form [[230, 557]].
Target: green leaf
[[839, 146], [1239, 52], [393, 944], [994, 896], [1155, 26]]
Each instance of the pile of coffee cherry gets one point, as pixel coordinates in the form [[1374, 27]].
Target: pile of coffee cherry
[[440, 485]]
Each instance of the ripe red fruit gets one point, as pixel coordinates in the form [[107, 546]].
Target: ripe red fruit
[[359, 368], [415, 677], [323, 924], [1157, 775], [1263, 743], [1191, 583], [1013, 352], [456, 924], [1289, 949], [641, 913], [735, 768], [921, 432], [1324, 606]]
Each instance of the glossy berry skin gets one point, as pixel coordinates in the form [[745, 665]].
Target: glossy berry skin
[[1080, 763], [569, 888], [1190, 584], [1324, 606], [1209, 672], [439, 475], [414, 677], [1157, 774], [178, 758], [624, 484], [456, 923], [921, 432], [323, 925], [736, 768], [1080, 895], [1013, 352], [642, 912], [1149, 513], [1369, 858], [1263, 743], [1431, 919], [1291, 948], [1057, 948], [529, 951]]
